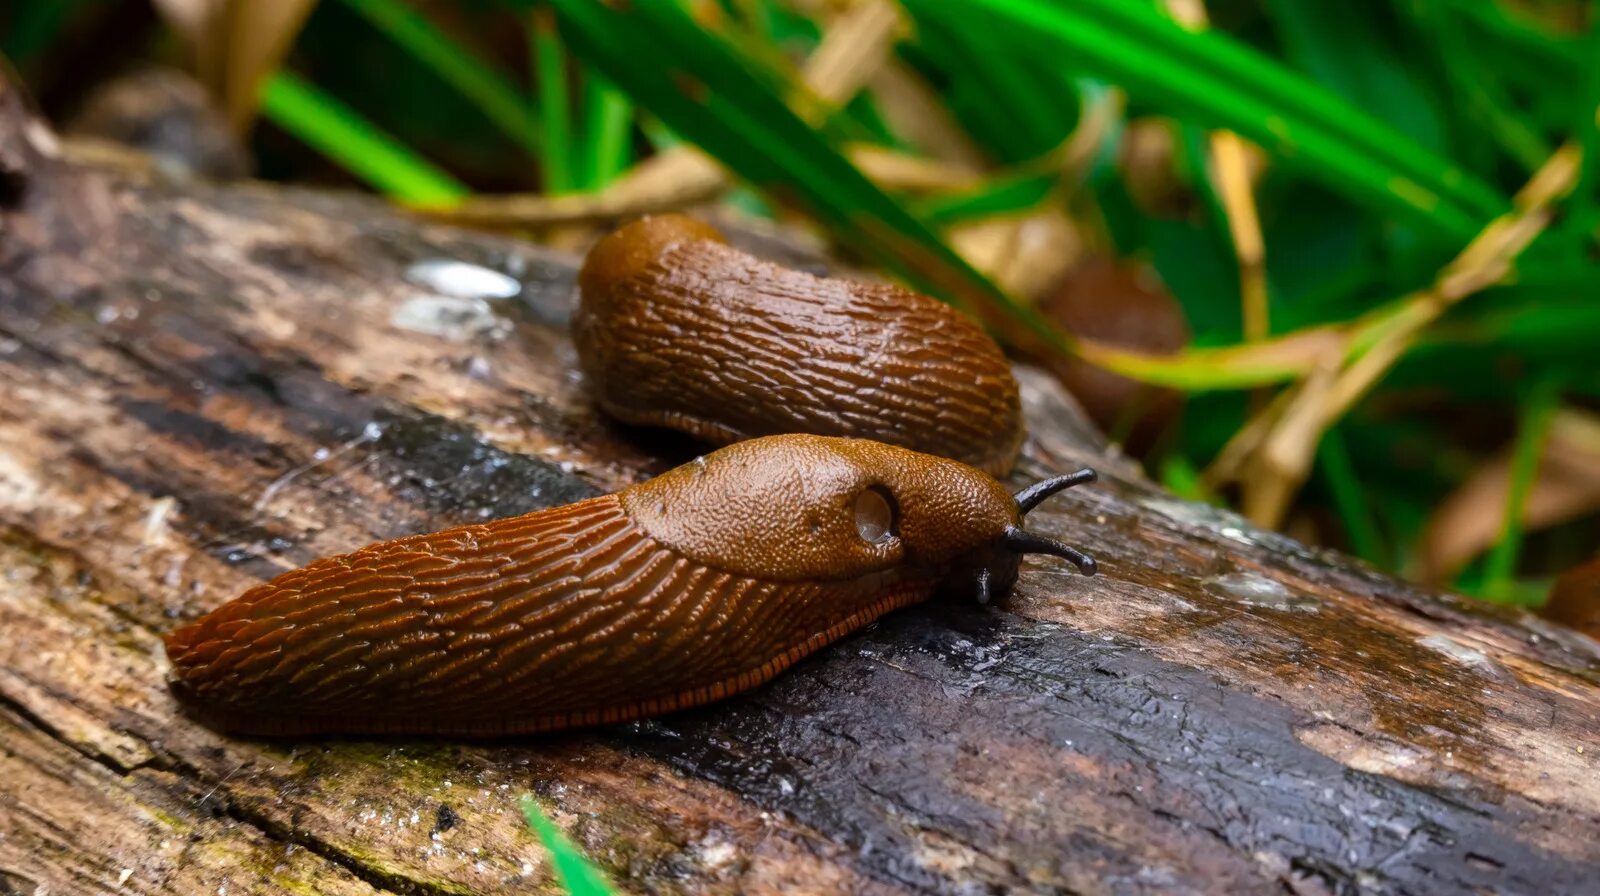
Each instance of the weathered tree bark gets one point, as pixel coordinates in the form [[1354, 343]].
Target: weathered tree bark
[[203, 386]]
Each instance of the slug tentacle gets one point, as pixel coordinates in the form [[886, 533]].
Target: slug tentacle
[[1019, 541], [1034, 495]]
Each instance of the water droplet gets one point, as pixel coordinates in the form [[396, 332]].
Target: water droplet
[[462, 280], [450, 317], [1256, 590], [1455, 650]]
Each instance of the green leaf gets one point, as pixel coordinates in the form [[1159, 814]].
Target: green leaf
[[1212, 80], [1586, 198], [1478, 92], [1349, 497], [1004, 195], [1538, 411], [1197, 265], [342, 135], [1351, 52], [1543, 58], [490, 91], [550, 70], [962, 90], [608, 125], [578, 876], [1181, 478], [996, 91]]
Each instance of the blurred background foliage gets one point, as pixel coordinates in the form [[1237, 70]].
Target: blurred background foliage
[[1337, 265]]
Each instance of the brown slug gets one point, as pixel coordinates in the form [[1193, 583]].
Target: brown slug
[[700, 583], [676, 328]]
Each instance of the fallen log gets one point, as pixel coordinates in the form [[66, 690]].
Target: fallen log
[[201, 386]]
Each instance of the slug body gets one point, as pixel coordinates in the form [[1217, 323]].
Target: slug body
[[705, 581], [676, 328]]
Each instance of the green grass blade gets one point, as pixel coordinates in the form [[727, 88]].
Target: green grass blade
[[1357, 57], [701, 89], [1181, 478], [1214, 81], [998, 94], [1542, 56], [1350, 498], [1537, 413], [1001, 196], [1586, 198], [965, 93], [555, 124], [1484, 106], [1284, 89], [338, 132], [578, 876], [1241, 366], [608, 127], [488, 90]]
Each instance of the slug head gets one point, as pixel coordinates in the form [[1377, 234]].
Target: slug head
[[990, 571], [821, 508]]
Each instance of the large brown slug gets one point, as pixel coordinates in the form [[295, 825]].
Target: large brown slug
[[705, 581], [676, 328]]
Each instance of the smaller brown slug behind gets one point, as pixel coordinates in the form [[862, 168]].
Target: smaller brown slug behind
[[1118, 303], [705, 581], [676, 328]]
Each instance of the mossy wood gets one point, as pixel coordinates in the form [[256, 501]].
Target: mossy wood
[[203, 386]]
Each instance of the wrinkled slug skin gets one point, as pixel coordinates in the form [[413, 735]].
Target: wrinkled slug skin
[[675, 328], [705, 581]]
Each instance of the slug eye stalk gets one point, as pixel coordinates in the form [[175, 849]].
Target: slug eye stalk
[[1020, 541], [1033, 495]]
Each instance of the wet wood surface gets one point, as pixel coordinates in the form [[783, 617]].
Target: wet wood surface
[[203, 386]]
